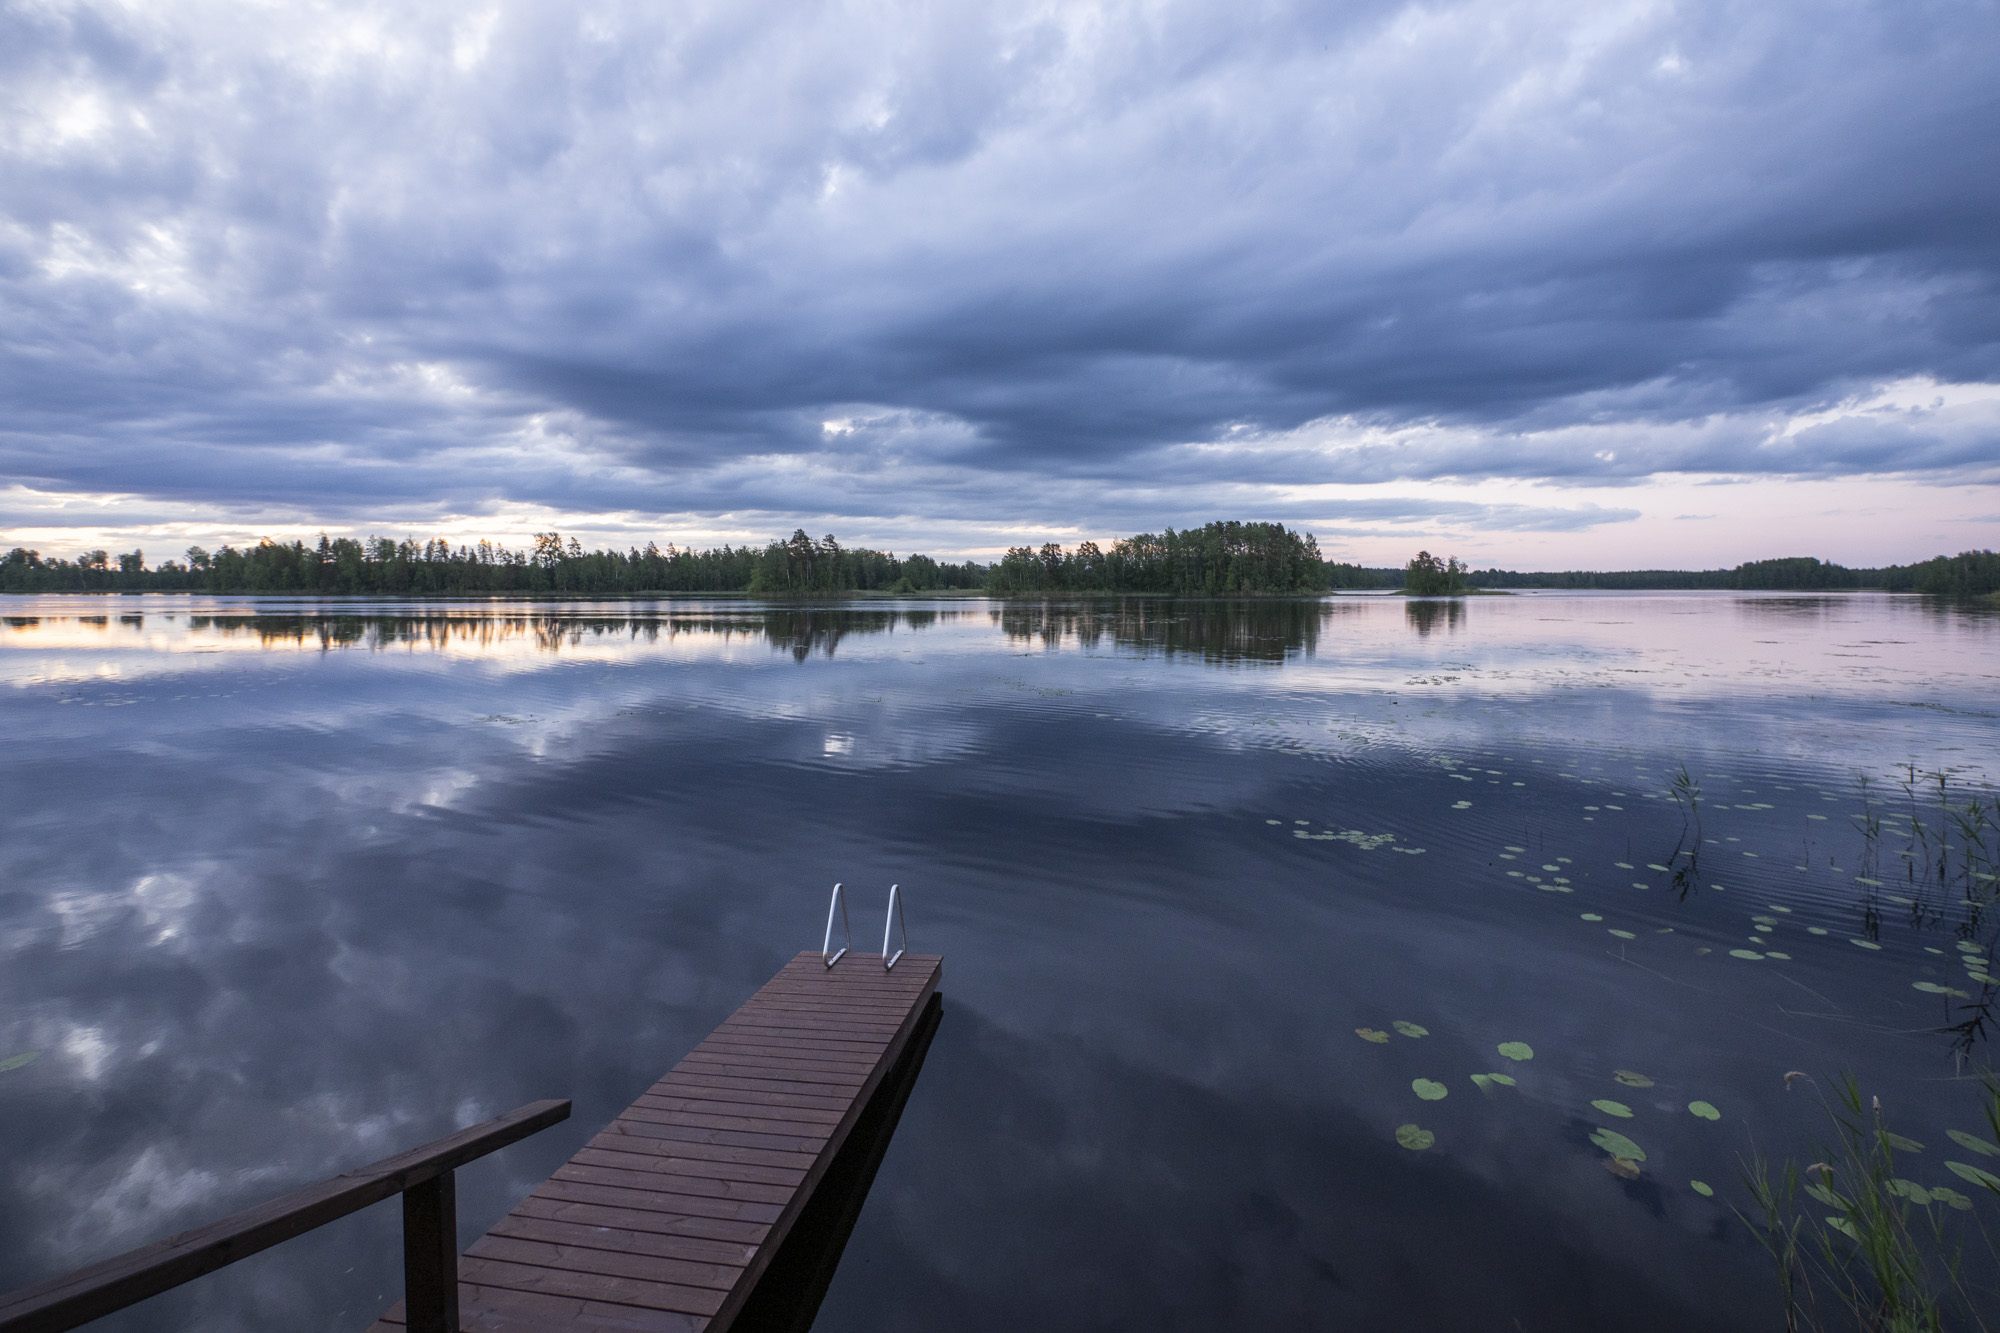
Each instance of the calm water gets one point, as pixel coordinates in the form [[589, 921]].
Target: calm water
[[285, 887]]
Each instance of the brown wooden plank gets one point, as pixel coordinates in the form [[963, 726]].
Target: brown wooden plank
[[826, 1011], [826, 1027], [781, 990], [773, 1091], [591, 1286], [833, 1067], [658, 1201], [867, 1044], [734, 1124], [750, 1234], [757, 1105], [857, 1055], [688, 1166], [863, 1055], [613, 1140], [625, 1240], [790, 1144], [611, 1263], [497, 1310], [806, 1001], [511, 1309], [668, 1182]]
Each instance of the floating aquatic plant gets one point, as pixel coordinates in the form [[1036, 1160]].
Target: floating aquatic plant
[[1409, 1029], [1372, 1034], [1609, 1107], [1516, 1050], [1618, 1145], [1705, 1110], [1414, 1138], [1631, 1078], [1429, 1089]]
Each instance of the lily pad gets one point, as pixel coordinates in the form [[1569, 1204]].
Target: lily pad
[[1623, 1167], [16, 1061], [1410, 1029], [1413, 1138], [1429, 1089], [1932, 988], [1703, 1188], [1946, 1194], [1844, 1227], [1911, 1190], [1504, 1080], [1975, 1175], [1624, 934], [1592, 916], [1704, 1110], [1631, 1078], [1609, 1107], [1751, 954], [1865, 944], [1375, 1035], [1517, 1050], [1484, 1082], [1972, 1141], [1618, 1145], [1901, 1144]]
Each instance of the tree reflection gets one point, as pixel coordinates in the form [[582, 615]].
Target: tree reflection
[[1215, 631], [1426, 615]]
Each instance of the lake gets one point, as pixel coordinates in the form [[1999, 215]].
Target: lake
[[1228, 892]]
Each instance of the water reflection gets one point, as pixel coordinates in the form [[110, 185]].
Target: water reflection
[[336, 877], [1214, 631], [1427, 614]]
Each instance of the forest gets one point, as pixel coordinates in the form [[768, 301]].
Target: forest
[[1222, 559], [1968, 574]]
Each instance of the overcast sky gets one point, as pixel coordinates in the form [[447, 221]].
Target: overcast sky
[[1538, 281]]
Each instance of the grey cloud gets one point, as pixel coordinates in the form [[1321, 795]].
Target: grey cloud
[[1019, 248]]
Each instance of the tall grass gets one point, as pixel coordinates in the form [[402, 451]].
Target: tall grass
[[1879, 1252]]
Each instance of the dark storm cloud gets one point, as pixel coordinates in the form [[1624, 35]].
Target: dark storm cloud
[[966, 261]]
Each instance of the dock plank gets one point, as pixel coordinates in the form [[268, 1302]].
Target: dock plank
[[664, 1220]]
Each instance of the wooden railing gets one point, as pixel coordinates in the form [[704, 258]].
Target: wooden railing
[[423, 1176]]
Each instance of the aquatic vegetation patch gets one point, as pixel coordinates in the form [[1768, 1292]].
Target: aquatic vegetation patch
[[1516, 1050], [1631, 1078], [16, 1061], [1414, 1137], [1409, 1029], [1705, 1110], [1375, 1035], [1703, 1188], [1609, 1107], [1429, 1089]]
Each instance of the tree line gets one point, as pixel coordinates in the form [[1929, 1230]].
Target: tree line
[[1968, 574], [1217, 560]]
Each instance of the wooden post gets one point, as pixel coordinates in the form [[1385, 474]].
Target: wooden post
[[430, 1255]]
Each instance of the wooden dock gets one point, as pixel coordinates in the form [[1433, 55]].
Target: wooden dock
[[670, 1218]]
